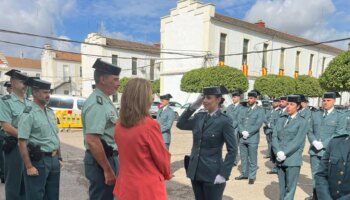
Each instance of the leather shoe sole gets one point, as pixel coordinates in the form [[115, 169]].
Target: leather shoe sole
[[251, 181], [241, 178]]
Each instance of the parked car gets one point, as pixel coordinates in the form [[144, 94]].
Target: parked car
[[154, 109], [156, 105]]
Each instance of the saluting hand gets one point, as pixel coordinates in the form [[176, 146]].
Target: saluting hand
[[32, 171], [195, 105]]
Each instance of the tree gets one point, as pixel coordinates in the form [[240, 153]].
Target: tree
[[123, 81], [275, 86], [232, 78], [156, 86], [309, 86], [337, 74]]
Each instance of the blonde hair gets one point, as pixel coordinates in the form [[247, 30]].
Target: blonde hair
[[135, 102]]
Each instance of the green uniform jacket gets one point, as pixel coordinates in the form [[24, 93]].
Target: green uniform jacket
[[11, 108], [166, 118], [333, 175], [39, 127], [324, 129], [347, 115], [99, 116], [305, 113], [271, 119], [251, 121], [290, 139], [206, 154], [233, 112]]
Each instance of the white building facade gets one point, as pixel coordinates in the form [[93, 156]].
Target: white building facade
[[196, 27], [135, 59], [62, 70]]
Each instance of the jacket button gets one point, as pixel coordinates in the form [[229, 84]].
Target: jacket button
[[339, 182], [341, 173], [344, 163], [337, 192]]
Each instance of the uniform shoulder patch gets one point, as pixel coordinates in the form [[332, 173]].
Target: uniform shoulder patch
[[99, 100], [27, 109], [6, 97]]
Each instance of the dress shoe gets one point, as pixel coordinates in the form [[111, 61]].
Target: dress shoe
[[2, 180], [241, 177], [251, 181], [271, 172], [266, 157]]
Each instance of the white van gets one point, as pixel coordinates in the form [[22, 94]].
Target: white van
[[66, 102]]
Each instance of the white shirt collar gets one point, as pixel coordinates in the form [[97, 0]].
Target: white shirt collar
[[165, 107], [330, 110], [294, 115], [253, 106], [212, 113], [236, 104]]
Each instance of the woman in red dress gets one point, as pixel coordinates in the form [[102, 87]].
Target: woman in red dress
[[144, 160]]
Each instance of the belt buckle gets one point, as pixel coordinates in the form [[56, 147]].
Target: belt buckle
[[54, 153]]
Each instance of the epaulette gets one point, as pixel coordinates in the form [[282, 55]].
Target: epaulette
[[341, 136], [27, 109], [99, 100], [6, 97]]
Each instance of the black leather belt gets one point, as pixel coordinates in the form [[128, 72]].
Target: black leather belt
[[51, 154], [115, 153]]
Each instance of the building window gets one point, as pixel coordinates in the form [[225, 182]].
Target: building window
[[66, 92], [310, 64], [134, 66], [297, 59], [81, 71], [151, 73], [65, 73], [222, 50], [264, 59], [282, 58], [115, 59], [37, 75], [0, 74], [245, 51], [323, 64], [115, 97]]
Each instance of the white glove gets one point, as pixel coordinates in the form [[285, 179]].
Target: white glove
[[317, 144], [245, 134], [219, 179], [196, 104], [269, 125], [281, 156]]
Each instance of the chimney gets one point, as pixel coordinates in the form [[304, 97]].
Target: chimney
[[260, 23], [47, 46], [21, 54]]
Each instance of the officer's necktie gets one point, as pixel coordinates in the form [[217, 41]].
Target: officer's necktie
[[288, 120], [160, 111], [249, 109], [325, 114], [207, 117]]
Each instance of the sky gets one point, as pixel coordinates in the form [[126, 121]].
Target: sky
[[139, 20]]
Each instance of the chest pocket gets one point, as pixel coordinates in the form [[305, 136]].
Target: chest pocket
[[332, 169], [212, 139]]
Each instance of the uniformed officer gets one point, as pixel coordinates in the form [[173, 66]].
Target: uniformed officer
[[11, 108], [233, 111], [332, 177], [39, 145], [324, 125], [271, 119], [249, 124], [305, 110], [99, 116], [165, 117], [288, 141], [347, 115], [7, 84], [211, 130], [283, 105]]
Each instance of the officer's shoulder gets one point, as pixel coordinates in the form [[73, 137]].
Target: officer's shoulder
[[225, 115], [99, 100], [6, 97], [339, 138], [49, 108], [27, 109]]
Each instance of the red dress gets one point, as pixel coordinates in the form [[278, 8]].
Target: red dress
[[144, 162]]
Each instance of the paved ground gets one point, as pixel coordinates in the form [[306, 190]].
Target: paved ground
[[74, 185]]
